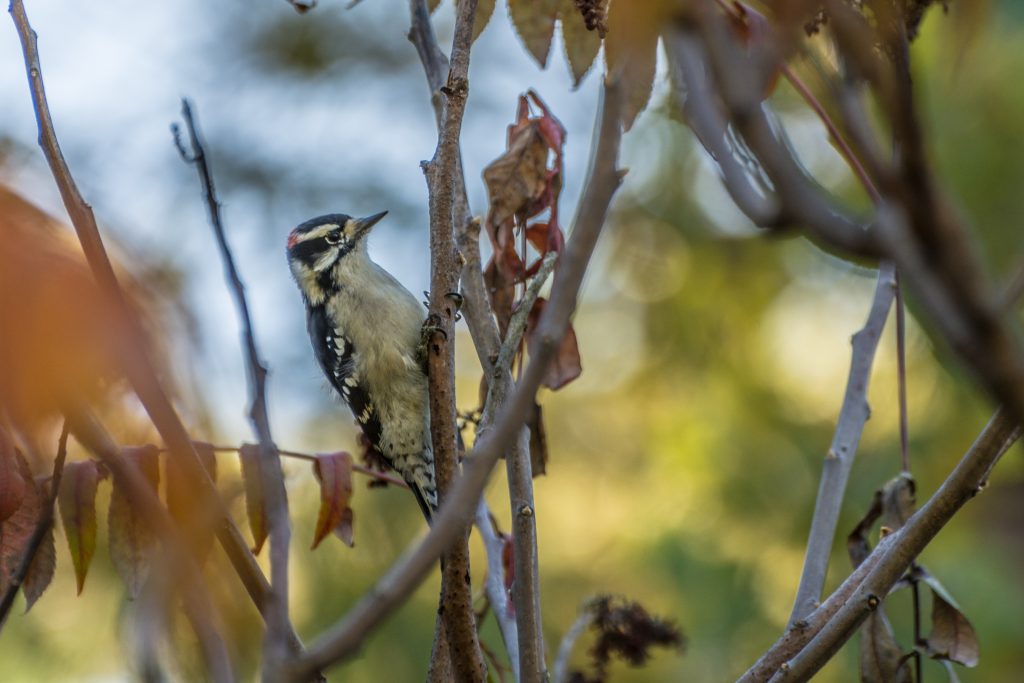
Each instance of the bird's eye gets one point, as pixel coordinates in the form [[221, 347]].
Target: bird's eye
[[333, 237]]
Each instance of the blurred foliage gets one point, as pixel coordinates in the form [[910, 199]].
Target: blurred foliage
[[685, 459]]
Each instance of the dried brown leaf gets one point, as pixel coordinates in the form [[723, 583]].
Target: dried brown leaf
[[334, 472], [76, 500], [15, 533], [518, 177], [881, 658], [255, 502], [534, 21], [538, 441], [44, 563], [12, 485], [898, 501], [130, 538], [581, 44], [952, 635]]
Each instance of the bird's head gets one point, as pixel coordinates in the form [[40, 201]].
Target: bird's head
[[316, 246]]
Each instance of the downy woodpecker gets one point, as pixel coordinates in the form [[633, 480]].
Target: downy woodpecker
[[366, 331]]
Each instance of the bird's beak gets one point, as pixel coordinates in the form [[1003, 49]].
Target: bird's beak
[[363, 225]]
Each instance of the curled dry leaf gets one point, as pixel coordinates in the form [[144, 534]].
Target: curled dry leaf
[[255, 501], [188, 510], [898, 501], [334, 472], [881, 658], [952, 637], [76, 500], [130, 538]]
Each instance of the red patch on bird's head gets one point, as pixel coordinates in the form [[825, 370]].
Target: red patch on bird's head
[[293, 238]]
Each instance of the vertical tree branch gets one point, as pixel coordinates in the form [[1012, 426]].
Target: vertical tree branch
[[603, 179], [839, 460], [275, 645], [456, 595], [137, 365]]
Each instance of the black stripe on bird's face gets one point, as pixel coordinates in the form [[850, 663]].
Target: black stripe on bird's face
[[320, 242]]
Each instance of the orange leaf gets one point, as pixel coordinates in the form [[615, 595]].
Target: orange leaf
[[631, 50], [76, 500], [187, 509], [131, 540], [334, 472], [255, 503], [534, 21]]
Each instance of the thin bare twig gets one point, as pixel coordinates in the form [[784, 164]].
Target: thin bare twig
[[42, 528], [494, 586], [560, 670], [839, 460], [345, 637], [137, 365], [275, 643], [195, 597]]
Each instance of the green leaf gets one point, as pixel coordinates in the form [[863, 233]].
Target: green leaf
[[255, 503], [76, 500]]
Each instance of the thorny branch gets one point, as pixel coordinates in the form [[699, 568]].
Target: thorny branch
[[137, 365], [345, 637], [275, 643]]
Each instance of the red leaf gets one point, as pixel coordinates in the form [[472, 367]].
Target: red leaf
[[12, 485], [193, 517], [131, 540], [255, 504], [566, 365], [44, 564], [15, 533], [334, 472], [77, 503], [508, 562]]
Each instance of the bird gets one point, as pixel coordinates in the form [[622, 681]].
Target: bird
[[366, 331]]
